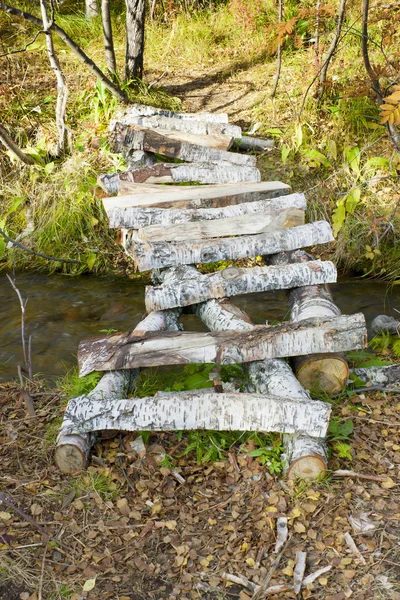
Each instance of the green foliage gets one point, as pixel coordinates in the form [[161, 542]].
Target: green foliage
[[268, 450], [339, 432], [71, 385], [386, 341], [101, 482]]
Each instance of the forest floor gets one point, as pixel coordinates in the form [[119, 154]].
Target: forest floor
[[128, 528]]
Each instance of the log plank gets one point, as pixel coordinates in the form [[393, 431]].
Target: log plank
[[136, 218], [178, 290], [173, 145], [158, 255], [149, 349], [193, 126], [193, 410], [142, 110], [199, 196], [244, 224]]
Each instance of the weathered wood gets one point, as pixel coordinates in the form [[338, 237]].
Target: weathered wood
[[110, 181], [132, 111], [173, 145], [245, 224], [133, 350], [253, 144], [195, 197], [135, 218], [72, 451], [317, 372], [157, 255], [388, 376], [187, 173], [192, 410], [305, 457], [184, 291], [187, 125]]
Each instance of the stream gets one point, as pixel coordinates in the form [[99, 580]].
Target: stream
[[63, 310]]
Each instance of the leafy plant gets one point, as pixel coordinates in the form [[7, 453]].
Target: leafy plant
[[268, 452], [340, 431], [71, 385], [390, 110]]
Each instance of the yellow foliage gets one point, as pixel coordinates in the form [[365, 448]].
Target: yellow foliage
[[390, 110]]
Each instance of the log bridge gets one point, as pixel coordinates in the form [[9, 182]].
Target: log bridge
[[227, 214]]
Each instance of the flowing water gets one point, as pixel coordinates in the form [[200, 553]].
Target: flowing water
[[62, 310]]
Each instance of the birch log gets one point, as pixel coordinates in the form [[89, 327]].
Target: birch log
[[150, 349], [199, 172], [110, 182], [244, 224], [327, 373], [128, 114], [135, 218], [388, 376], [187, 125], [170, 254], [193, 410], [253, 144], [72, 451], [304, 456], [198, 196], [173, 145], [185, 291]]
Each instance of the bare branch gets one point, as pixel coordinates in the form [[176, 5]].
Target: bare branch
[[16, 150], [45, 256], [279, 53], [24, 48]]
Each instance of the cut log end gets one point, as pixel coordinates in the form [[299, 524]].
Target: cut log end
[[310, 466], [72, 453], [322, 373]]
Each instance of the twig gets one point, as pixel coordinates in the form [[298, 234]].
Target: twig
[[279, 53], [345, 473], [7, 500], [23, 307], [24, 48], [298, 574], [311, 578], [282, 533], [261, 592], [26, 396], [332, 47], [352, 545], [239, 580], [40, 585], [22, 247]]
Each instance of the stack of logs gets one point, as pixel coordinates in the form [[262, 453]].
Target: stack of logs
[[172, 228]]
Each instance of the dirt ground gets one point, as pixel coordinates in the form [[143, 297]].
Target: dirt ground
[[128, 528]]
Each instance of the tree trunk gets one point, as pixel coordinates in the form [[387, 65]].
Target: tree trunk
[[62, 90], [170, 254], [279, 53], [12, 147], [198, 410], [135, 218], [79, 53], [200, 230], [192, 126], [135, 21], [91, 9], [317, 372], [130, 113], [185, 173], [108, 37], [184, 291], [172, 145], [134, 349], [253, 144], [72, 451]]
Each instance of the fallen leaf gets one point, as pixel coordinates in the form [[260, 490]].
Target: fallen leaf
[[388, 484], [5, 516], [89, 585]]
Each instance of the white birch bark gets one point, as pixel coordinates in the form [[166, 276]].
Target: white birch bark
[[245, 224], [185, 291], [62, 90], [388, 376], [135, 218], [91, 9], [170, 254], [299, 570], [192, 410], [199, 196], [173, 145], [72, 451], [304, 456], [132, 350], [132, 111], [187, 125], [281, 533], [253, 144], [327, 373]]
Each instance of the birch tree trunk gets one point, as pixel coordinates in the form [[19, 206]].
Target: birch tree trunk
[[170, 254], [135, 21], [91, 9], [183, 291], [62, 90], [317, 372], [108, 37], [72, 451], [253, 144], [149, 349], [130, 113], [193, 126], [120, 215]]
